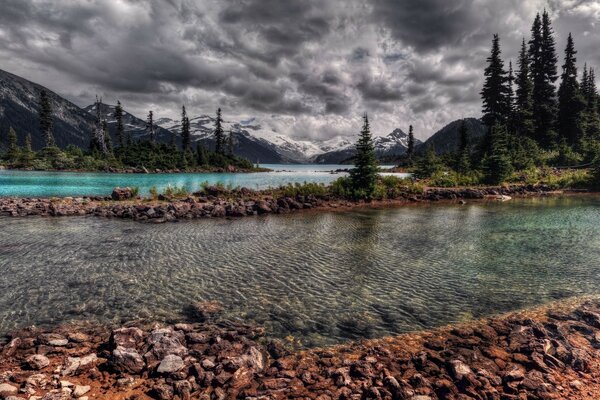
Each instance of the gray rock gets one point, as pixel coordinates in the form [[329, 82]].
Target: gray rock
[[127, 337], [170, 364], [459, 369], [38, 361], [128, 360], [77, 365]]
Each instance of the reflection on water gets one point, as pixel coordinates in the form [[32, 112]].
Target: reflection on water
[[322, 277]]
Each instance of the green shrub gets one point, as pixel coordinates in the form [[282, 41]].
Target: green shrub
[[342, 187], [153, 193], [175, 192], [304, 189]]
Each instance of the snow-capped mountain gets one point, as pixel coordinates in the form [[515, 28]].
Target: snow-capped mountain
[[133, 125], [254, 139], [386, 147], [260, 135]]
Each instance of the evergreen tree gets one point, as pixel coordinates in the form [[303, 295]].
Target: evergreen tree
[[219, 134], [524, 124], [150, 127], [12, 153], [364, 174], [201, 155], [495, 93], [510, 92], [46, 121], [590, 94], [463, 157], [107, 140], [542, 55], [230, 143], [497, 164], [120, 128], [27, 153], [185, 130], [571, 103], [428, 165], [410, 148]]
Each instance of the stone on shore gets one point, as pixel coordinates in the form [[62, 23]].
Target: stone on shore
[[120, 194], [38, 361], [170, 364]]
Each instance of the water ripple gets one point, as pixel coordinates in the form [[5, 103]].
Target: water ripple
[[323, 277]]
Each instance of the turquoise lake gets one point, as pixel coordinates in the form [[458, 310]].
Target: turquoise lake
[[44, 184], [322, 277]]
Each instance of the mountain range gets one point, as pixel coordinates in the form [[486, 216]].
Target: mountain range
[[255, 140]]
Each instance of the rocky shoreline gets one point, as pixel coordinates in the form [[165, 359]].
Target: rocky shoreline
[[548, 353], [215, 202]]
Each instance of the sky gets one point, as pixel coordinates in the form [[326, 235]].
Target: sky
[[308, 68]]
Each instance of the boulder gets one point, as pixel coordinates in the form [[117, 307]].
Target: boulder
[[76, 365], [8, 390], [120, 194], [38, 361], [170, 364], [127, 337], [80, 390], [127, 360]]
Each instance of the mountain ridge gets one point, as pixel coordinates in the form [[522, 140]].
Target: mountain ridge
[[258, 141]]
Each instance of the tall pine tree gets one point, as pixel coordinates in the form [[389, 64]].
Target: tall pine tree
[[571, 103], [497, 164], [542, 54], [46, 122], [120, 128], [13, 151], [185, 131], [495, 93], [524, 123], [364, 174], [590, 94], [410, 146], [463, 156], [219, 134], [150, 127]]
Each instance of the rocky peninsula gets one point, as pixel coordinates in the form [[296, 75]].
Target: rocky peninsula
[[214, 202], [547, 353]]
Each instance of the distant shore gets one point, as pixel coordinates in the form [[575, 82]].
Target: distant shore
[[230, 169], [551, 352], [218, 202]]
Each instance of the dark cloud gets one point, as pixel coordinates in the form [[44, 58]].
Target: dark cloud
[[427, 24], [310, 66]]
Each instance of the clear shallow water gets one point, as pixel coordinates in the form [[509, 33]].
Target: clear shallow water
[[321, 277], [43, 184]]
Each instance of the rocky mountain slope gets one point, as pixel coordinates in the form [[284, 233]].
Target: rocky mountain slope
[[447, 139], [19, 109], [253, 139]]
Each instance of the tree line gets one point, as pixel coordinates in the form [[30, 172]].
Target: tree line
[[128, 152], [530, 121]]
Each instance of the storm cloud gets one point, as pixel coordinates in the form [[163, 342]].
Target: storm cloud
[[311, 67]]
